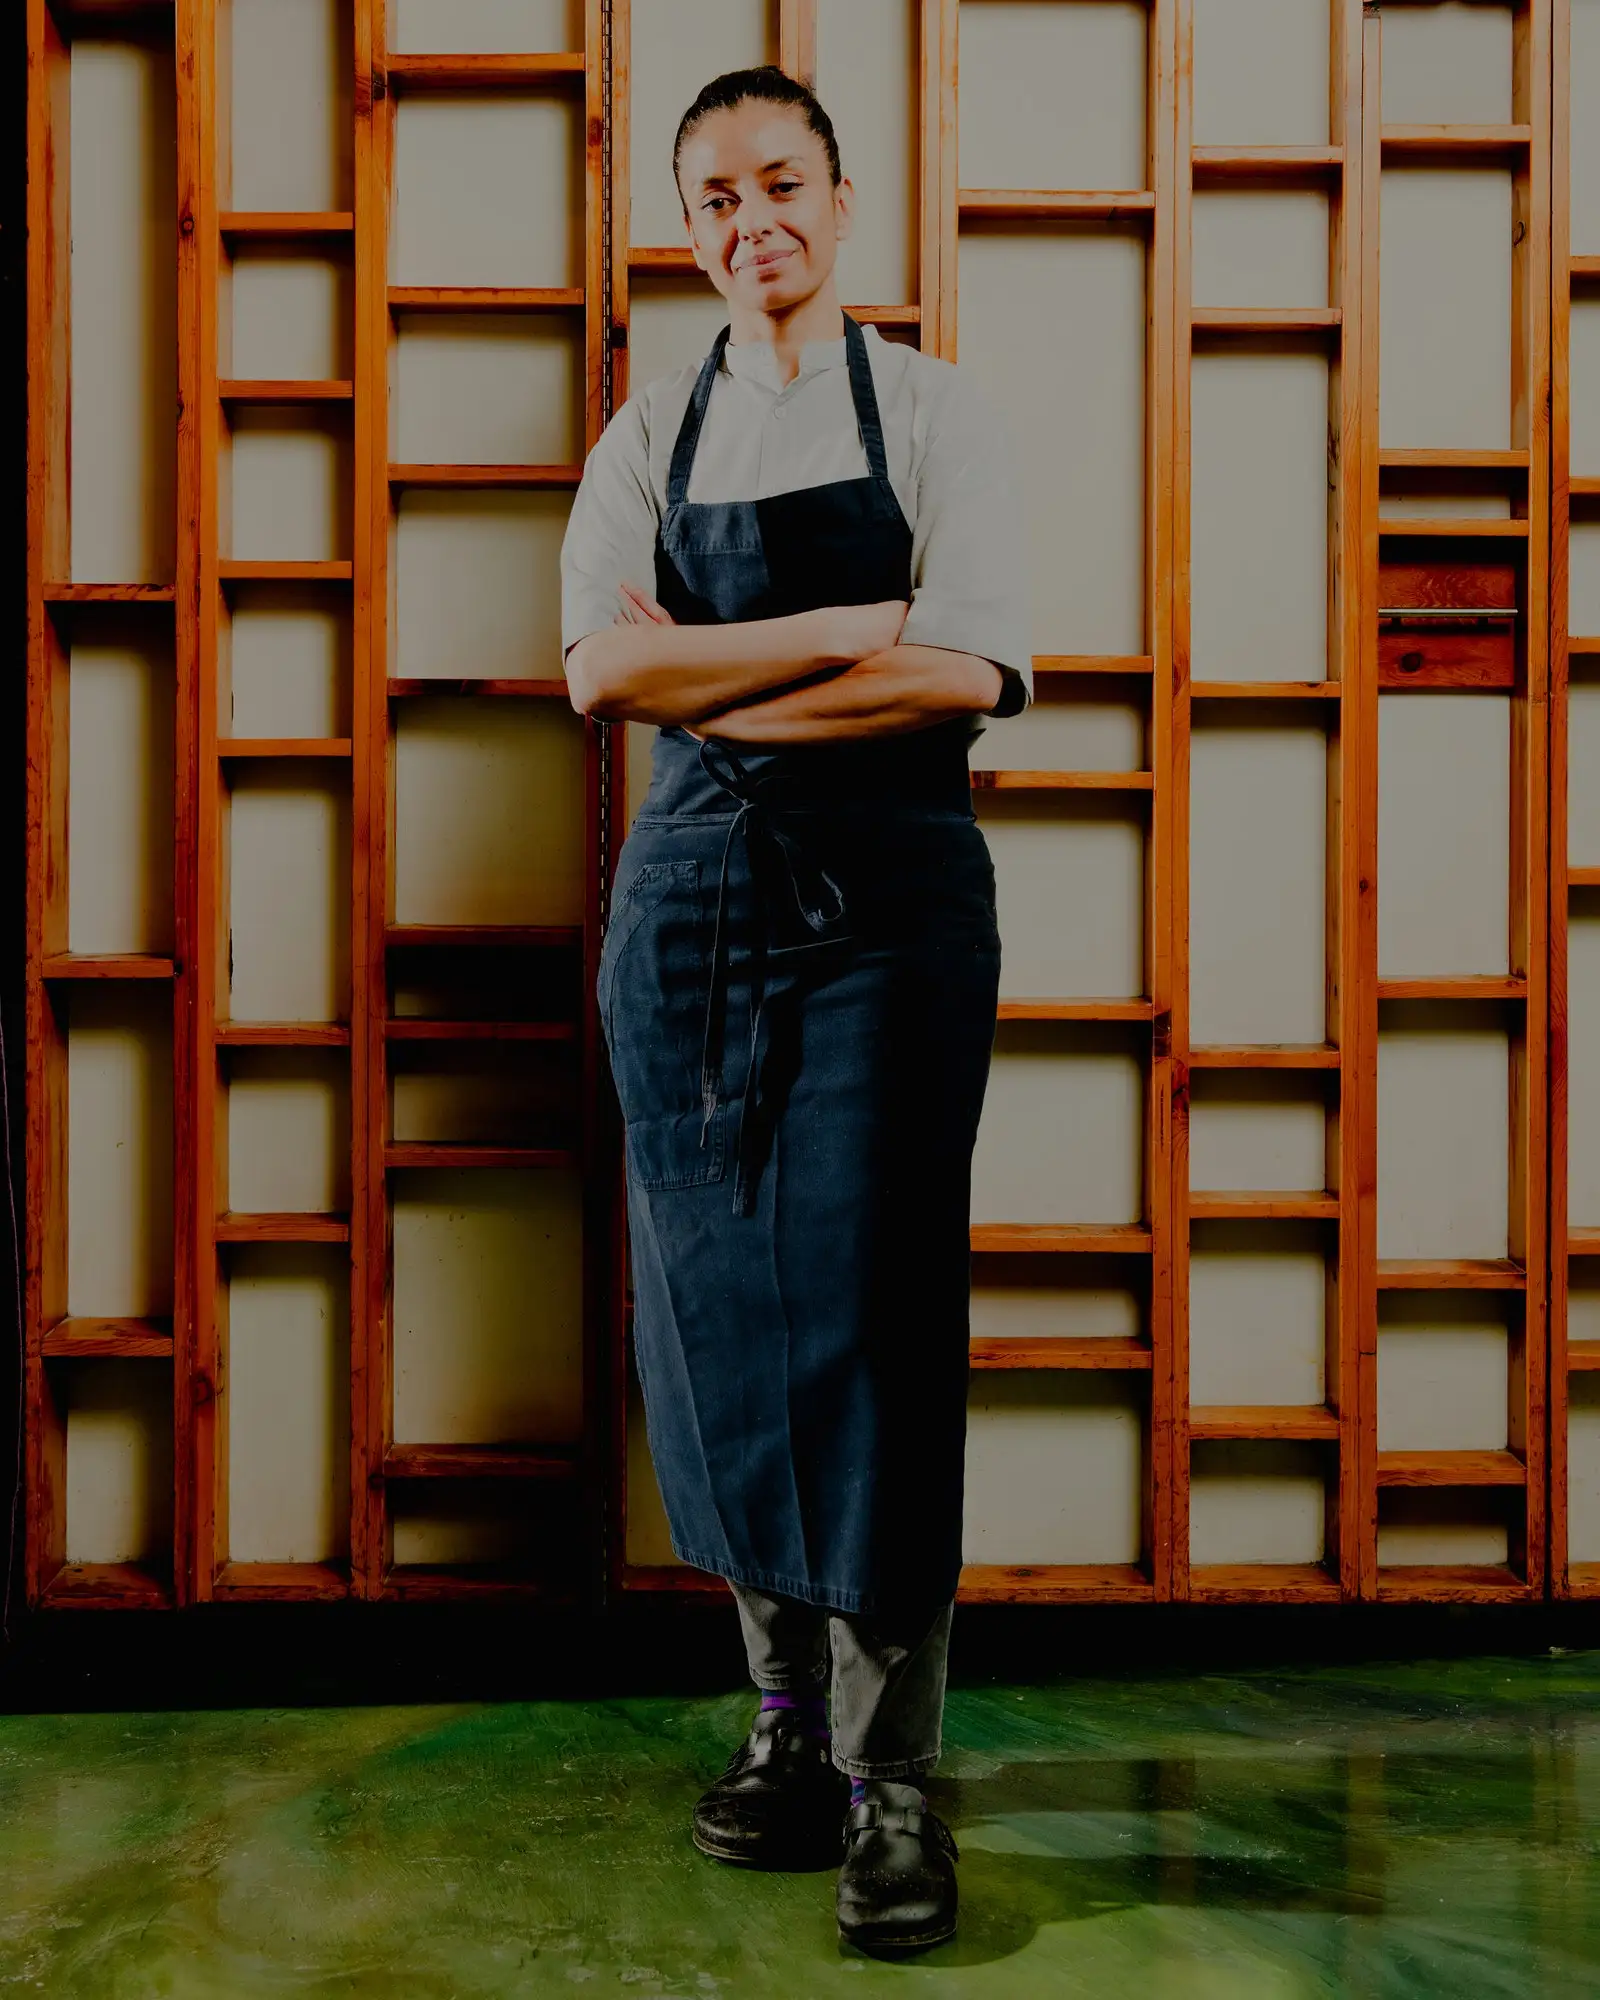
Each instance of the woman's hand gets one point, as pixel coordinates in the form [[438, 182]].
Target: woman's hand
[[640, 608]]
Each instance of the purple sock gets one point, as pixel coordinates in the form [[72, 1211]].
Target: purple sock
[[809, 1710]]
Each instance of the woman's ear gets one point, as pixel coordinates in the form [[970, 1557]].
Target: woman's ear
[[844, 208]]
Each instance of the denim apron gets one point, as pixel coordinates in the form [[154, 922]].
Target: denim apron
[[798, 990]]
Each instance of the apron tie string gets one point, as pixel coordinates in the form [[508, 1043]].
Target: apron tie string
[[821, 906]]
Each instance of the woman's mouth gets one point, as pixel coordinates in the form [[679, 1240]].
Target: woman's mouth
[[766, 262]]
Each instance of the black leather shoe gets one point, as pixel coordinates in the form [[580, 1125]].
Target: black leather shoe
[[778, 1804], [897, 1888]]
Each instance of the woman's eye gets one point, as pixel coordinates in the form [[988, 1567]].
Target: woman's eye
[[785, 187]]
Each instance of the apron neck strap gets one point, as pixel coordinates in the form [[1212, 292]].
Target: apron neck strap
[[862, 394]]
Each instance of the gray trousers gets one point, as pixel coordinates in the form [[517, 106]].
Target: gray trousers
[[888, 1676]]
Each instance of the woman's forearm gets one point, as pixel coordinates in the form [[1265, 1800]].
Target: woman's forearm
[[892, 693], [668, 674]]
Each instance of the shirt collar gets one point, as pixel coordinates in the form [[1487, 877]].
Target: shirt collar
[[756, 362]]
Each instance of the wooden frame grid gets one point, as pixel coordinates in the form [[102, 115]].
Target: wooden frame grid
[[1369, 553]]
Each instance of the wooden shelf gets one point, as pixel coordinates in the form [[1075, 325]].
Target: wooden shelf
[[1451, 1468], [1462, 145], [526, 478], [1055, 205], [1254, 1056], [1262, 1423], [489, 937], [1311, 1205], [281, 1583], [1450, 528], [1584, 270], [1456, 986], [109, 1339], [1055, 1583], [486, 298], [1583, 1579], [410, 690], [286, 392], [1583, 1357], [488, 1583], [1435, 459], [1079, 1239], [241, 571], [1077, 1010], [1465, 1274], [1062, 781], [1042, 1352], [1262, 1583], [283, 1034], [108, 1587], [480, 1461], [110, 593], [1583, 1242], [238, 747], [413, 1030], [107, 965], [1266, 690], [1268, 166], [287, 223], [483, 72], [1212, 323], [233, 1227], [1450, 1583], [417, 1156], [1050, 664]]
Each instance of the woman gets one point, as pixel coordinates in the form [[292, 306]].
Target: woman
[[801, 561]]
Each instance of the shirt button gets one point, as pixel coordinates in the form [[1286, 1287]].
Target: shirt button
[[779, 408]]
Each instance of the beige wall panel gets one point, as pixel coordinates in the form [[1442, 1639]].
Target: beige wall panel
[[1253, 249], [867, 72], [463, 1525], [1585, 87], [1070, 887], [291, 485], [1256, 1503], [1053, 97], [1259, 553], [1028, 301], [478, 585], [455, 158], [1450, 1528], [1264, 1131], [290, 653], [1585, 385], [672, 324], [1062, 1137], [488, 813], [1092, 1299], [119, 1462], [488, 1308], [1583, 1065], [1444, 833], [288, 1404], [1261, 72], [1442, 1132], [487, 27], [291, 112], [119, 1153], [288, 1131], [640, 749], [1053, 1470], [474, 1096], [119, 825], [678, 47], [1257, 1313], [489, 389], [124, 313], [1445, 328], [1583, 612], [649, 1539], [1426, 506], [1257, 867], [1443, 1373], [1447, 64], [1583, 1300], [292, 317], [290, 933], [1067, 730], [1583, 1469]]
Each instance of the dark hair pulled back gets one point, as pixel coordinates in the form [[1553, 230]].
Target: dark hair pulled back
[[767, 85]]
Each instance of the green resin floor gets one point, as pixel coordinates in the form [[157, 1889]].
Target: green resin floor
[[1432, 1829]]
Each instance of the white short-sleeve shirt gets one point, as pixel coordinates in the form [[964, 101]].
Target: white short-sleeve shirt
[[948, 463]]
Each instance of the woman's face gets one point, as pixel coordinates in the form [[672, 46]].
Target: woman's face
[[764, 216]]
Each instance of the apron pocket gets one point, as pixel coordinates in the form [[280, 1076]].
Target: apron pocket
[[679, 1150]]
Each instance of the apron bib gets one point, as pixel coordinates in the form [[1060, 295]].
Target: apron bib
[[798, 990]]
